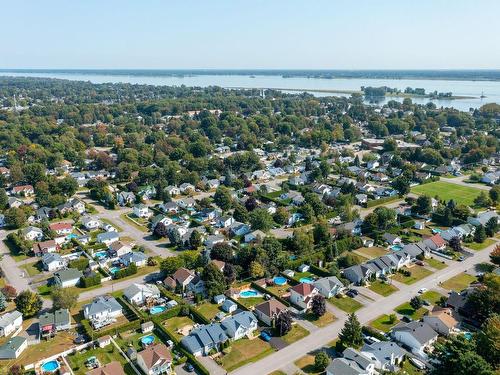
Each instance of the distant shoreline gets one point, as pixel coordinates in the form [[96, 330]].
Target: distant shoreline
[[445, 75]]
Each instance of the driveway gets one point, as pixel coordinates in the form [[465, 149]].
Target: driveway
[[385, 305]]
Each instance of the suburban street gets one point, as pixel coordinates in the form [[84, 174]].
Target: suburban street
[[384, 305], [461, 181]]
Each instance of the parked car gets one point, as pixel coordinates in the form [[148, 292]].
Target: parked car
[[80, 339], [461, 258], [422, 290], [265, 336], [425, 303], [350, 294], [406, 319], [189, 367]]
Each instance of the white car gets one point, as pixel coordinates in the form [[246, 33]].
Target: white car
[[422, 290]]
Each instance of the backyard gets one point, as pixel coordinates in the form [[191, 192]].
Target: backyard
[[346, 304], [208, 310], [104, 355], [245, 351], [382, 288], [178, 323], [132, 339], [417, 273], [371, 252], [458, 282], [446, 191], [251, 302]]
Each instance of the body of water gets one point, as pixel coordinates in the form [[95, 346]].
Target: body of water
[[491, 89]]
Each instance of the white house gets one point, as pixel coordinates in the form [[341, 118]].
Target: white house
[[353, 363], [118, 249], [385, 354], [416, 335], [441, 321], [102, 310], [240, 325], [91, 223], [172, 190], [134, 257], [32, 234], [139, 293], [329, 286], [302, 295], [141, 210], [155, 360], [52, 262], [107, 238], [67, 277], [10, 322], [186, 188]]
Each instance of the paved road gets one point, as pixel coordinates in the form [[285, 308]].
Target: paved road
[[385, 305], [461, 181]]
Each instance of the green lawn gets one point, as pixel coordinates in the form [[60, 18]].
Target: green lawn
[[409, 369], [208, 310], [296, 333], [446, 191], [142, 228], [346, 304], [306, 365], [322, 321], [432, 297], [480, 246], [251, 302], [278, 290], [177, 322], [458, 282], [371, 252], [33, 269], [382, 288], [406, 309], [132, 339], [437, 264], [383, 323], [107, 221], [245, 351], [417, 273], [104, 355]]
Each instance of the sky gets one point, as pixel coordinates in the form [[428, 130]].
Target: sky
[[251, 34]]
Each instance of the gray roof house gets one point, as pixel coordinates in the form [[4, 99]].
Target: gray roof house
[[107, 237], [385, 354], [358, 273], [67, 277], [102, 310], [139, 293], [352, 363], [13, 348], [416, 335], [134, 257], [50, 323], [482, 218], [9, 322], [204, 338], [229, 306], [240, 325], [329, 286], [52, 262]]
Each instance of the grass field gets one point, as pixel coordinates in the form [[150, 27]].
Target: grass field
[[104, 355], [437, 264], [177, 322], [383, 323], [417, 273], [480, 246], [296, 333], [432, 296], [459, 282], [446, 191], [245, 351], [346, 304], [306, 365], [322, 321], [406, 309], [371, 252], [208, 310], [382, 288]]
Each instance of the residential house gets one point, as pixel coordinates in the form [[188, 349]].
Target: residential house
[[172, 190], [441, 321], [111, 368], [134, 257], [435, 243], [141, 210], [391, 239], [219, 299], [10, 322], [146, 192], [418, 336], [52, 262], [13, 348], [204, 338], [385, 354], [214, 239], [118, 249], [107, 238], [302, 295], [72, 205], [44, 213], [361, 198], [170, 207], [102, 310], [52, 322], [90, 222], [186, 203], [44, 247], [329, 286], [23, 190], [413, 250], [268, 311], [32, 233], [125, 198], [67, 277], [256, 235], [138, 294], [14, 202], [240, 325], [186, 188], [358, 274], [225, 221], [482, 218], [155, 360], [229, 306], [239, 229], [165, 220], [352, 363]]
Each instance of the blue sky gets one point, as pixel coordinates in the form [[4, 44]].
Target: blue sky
[[314, 34]]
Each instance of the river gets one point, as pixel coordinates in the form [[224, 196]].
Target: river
[[491, 89]]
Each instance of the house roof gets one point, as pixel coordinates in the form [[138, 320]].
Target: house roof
[[102, 303], [7, 318], [68, 274], [271, 307], [422, 332], [438, 240], [182, 274], [8, 349], [51, 257], [383, 351], [329, 282], [155, 355], [244, 319], [304, 289], [445, 318], [145, 289], [203, 336], [59, 317], [60, 226], [112, 368]]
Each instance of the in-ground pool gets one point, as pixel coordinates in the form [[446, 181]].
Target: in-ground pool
[[71, 236], [114, 270], [157, 310], [468, 335], [147, 340], [279, 280], [436, 230], [249, 293], [306, 280], [101, 254], [396, 247], [50, 366]]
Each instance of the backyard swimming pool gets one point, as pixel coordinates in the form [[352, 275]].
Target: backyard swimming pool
[[279, 280], [436, 230], [101, 254], [396, 247], [249, 293], [306, 280], [71, 236], [50, 366], [114, 270], [157, 310], [147, 340]]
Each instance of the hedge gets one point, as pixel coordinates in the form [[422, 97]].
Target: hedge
[[319, 271], [373, 332], [129, 308], [89, 331], [198, 316], [170, 313]]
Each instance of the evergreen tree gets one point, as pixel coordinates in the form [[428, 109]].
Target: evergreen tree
[[351, 334], [318, 305], [284, 323], [3, 302], [480, 234]]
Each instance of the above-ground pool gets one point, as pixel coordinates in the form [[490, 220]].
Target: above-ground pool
[[147, 340], [157, 310], [101, 254], [279, 280], [396, 247], [249, 293], [50, 366], [306, 280], [114, 270]]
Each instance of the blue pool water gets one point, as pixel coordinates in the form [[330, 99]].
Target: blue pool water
[[157, 310], [114, 270], [396, 247], [71, 236], [147, 340], [101, 254], [249, 293], [306, 280], [50, 366], [279, 280], [468, 335], [436, 230]]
